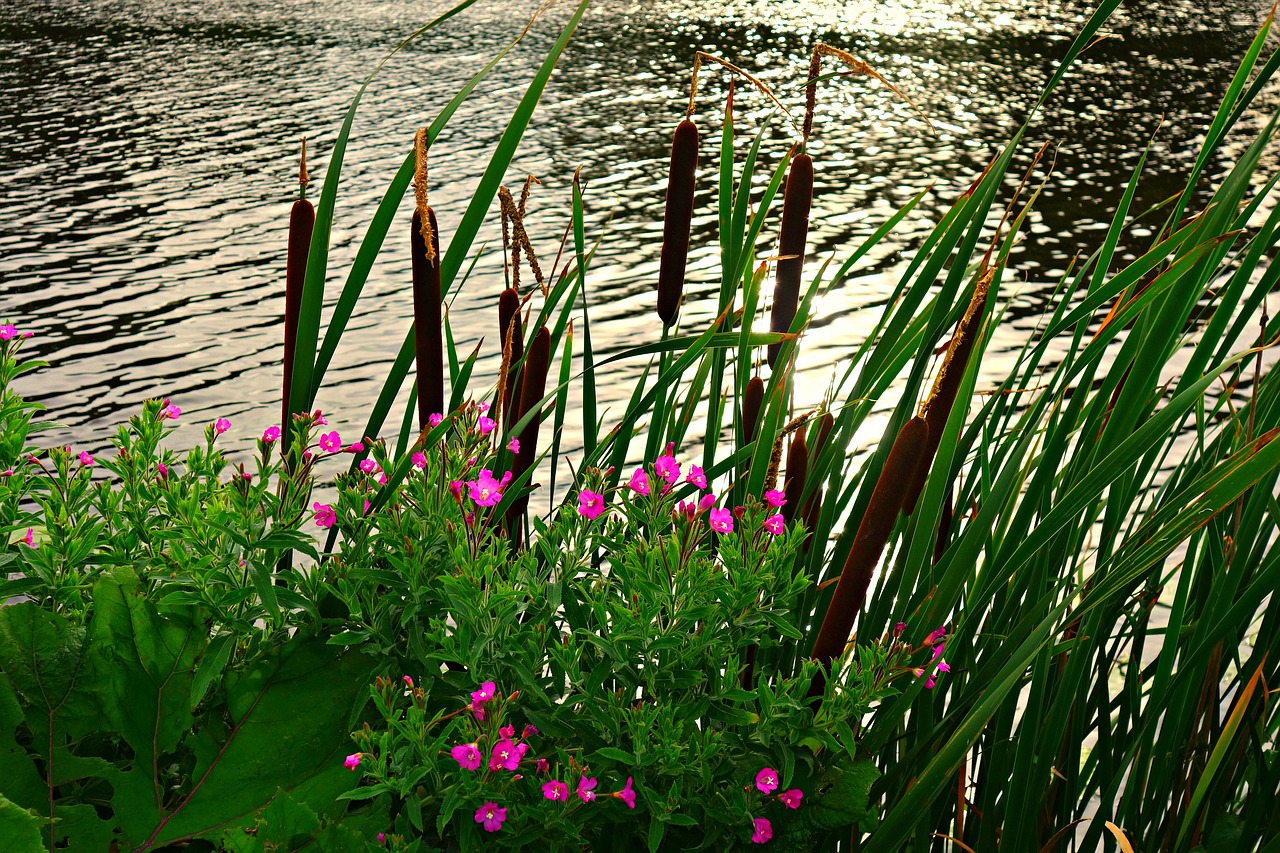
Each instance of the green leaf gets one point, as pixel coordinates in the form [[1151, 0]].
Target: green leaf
[[20, 829]]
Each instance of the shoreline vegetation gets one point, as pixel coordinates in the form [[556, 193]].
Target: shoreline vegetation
[[1037, 616]]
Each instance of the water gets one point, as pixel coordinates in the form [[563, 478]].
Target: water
[[148, 159]]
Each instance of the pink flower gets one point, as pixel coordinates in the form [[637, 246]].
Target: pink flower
[[357, 447], [943, 666], [368, 466], [767, 780], [774, 523], [627, 794], [763, 830], [325, 516], [163, 469], [419, 460], [899, 628], [930, 683], [170, 412], [435, 419], [791, 799], [491, 816], [467, 755], [937, 651], [30, 538], [8, 332], [482, 407], [935, 635], [696, 476], [775, 498], [7, 472], [86, 459], [485, 490], [590, 504], [707, 501], [221, 425], [271, 435], [366, 512], [331, 442], [541, 765], [505, 756], [455, 487], [486, 692], [486, 425], [382, 478], [667, 468], [639, 482], [555, 790], [586, 789], [352, 761], [529, 730], [721, 520], [507, 731], [514, 445], [318, 418], [408, 681], [382, 837]]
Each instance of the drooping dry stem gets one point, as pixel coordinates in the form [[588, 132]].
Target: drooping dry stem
[[857, 66], [420, 192], [520, 238], [700, 56]]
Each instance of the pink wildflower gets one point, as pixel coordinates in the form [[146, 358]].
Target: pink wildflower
[[8, 332], [382, 837], [352, 761], [455, 488], [541, 765], [435, 419], [486, 692], [767, 780], [943, 666], [696, 476], [508, 731], [170, 412], [667, 468], [163, 469], [763, 830], [707, 501], [221, 425], [529, 730], [408, 681], [368, 466], [930, 683], [899, 628], [86, 459], [382, 478], [935, 635], [331, 442], [485, 490], [325, 516], [590, 504], [774, 523], [721, 520], [486, 425], [318, 418], [627, 794], [555, 790], [775, 498], [357, 447], [514, 445], [586, 789], [482, 407], [271, 435], [467, 755], [419, 460], [791, 799], [30, 538], [505, 756], [639, 482], [491, 816], [366, 512]]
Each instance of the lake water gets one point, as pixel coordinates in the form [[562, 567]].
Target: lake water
[[148, 160]]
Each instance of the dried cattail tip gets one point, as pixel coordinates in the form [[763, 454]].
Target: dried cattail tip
[[678, 220], [428, 334], [796, 203], [937, 406], [752, 400], [873, 533], [426, 223], [304, 177]]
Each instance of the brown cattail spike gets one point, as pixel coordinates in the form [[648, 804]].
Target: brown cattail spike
[[678, 220], [796, 202], [752, 400], [427, 224], [533, 386], [797, 470], [937, 407], [428, 325], [302, 220], [511, 330], [873, 533]]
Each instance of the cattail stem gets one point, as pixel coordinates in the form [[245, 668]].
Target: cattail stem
[[532, 388], [428, 324], [946, 386], [678, 220], [796, 203], [511, 329], [873, 534]]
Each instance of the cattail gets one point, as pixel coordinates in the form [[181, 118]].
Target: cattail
[[678, 220], [796, 202], [512, 331], [532, 388], [793, 483], [302, 219], [813, 506], [428, 337], [937, 407], [873, 533], [752, 400]]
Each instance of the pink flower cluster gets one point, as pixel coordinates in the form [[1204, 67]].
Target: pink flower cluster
[[766, 783]]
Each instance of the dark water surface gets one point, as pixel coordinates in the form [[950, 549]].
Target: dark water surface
[[148, 160]]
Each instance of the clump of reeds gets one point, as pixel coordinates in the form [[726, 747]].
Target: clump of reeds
[[424, 243]]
